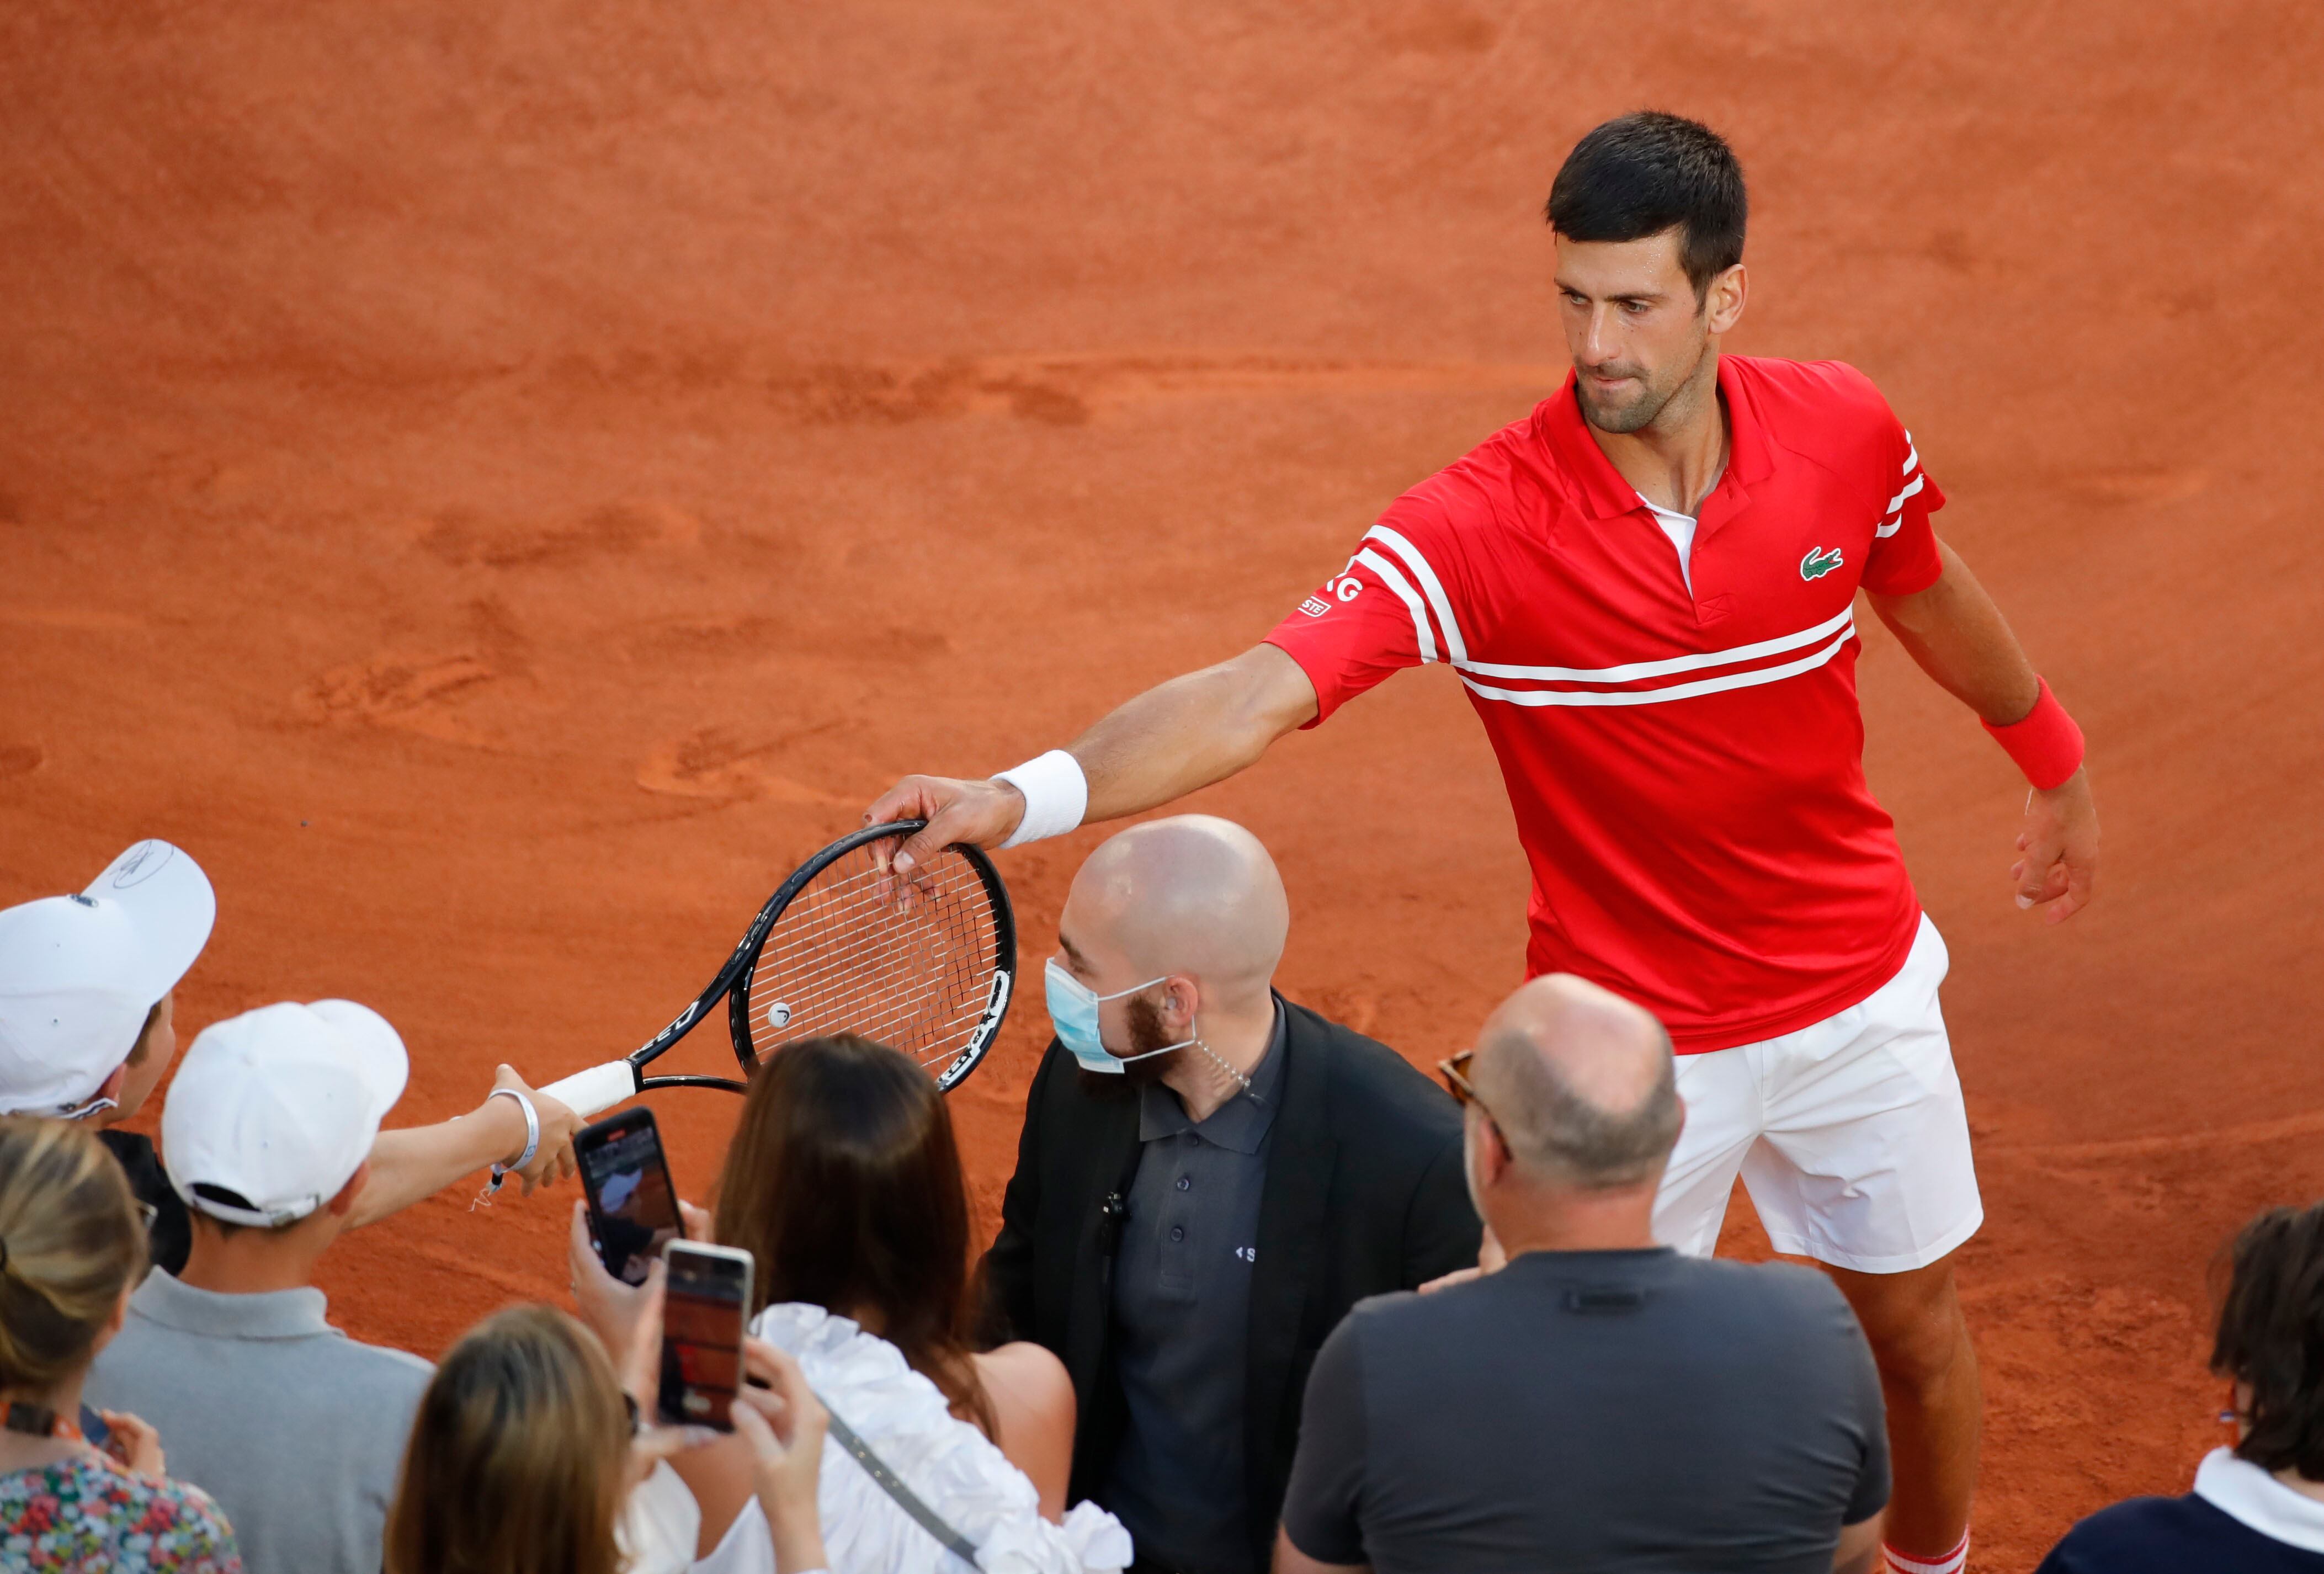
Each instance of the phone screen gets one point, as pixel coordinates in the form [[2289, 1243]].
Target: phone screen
[[632, 1204], [702, 1335]]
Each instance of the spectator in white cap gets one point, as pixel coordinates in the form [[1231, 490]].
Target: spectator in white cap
[[86, 986], [295, 1429]]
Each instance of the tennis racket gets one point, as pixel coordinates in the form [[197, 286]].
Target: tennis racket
[[834, 952]]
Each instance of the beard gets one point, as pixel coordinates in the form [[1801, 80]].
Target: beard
[[1623, 415], [1646, 398], [1146, 1036]]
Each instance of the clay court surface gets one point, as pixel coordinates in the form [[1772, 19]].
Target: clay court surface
[[500, 484]]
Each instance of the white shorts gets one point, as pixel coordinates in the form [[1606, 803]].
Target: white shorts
[[1850, 1134]]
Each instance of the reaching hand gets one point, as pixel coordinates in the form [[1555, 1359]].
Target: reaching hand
[[980, 813], [133, 1444], [2061, 848], [611, 1308], [1491, 1259], [553, 1160], [784, 1423]]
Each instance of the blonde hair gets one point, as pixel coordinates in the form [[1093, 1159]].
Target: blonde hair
[[70, 1242], [519, 1454]]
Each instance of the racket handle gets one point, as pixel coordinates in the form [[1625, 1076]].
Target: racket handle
[[596, 1089]]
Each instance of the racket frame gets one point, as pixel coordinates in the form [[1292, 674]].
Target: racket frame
[[1004, 945], [733, 978]]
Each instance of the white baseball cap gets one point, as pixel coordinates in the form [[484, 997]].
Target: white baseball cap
[[279, 1106], [78, 974]]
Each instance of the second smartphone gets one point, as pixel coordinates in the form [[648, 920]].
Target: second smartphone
[[705, 1309]]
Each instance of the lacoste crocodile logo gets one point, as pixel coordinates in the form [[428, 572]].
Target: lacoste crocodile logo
[[1818, 563]]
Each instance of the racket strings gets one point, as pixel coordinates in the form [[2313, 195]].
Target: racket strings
[[843, 957], [925, 1012], [918, 954]]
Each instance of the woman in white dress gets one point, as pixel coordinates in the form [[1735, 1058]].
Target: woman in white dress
[[843, 1183]]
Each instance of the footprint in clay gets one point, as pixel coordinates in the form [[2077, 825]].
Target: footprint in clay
[[713, 763]]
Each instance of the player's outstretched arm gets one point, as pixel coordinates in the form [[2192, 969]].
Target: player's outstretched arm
[[1959, 638], [1173, 739]]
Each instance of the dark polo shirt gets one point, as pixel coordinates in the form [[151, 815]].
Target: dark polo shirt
[[1628, 1411], [1182, 1317], [2238, 1520]]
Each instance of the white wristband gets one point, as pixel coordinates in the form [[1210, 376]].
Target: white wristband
[[531, 1131], [1056, 796]]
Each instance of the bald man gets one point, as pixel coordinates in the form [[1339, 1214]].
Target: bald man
[[1587, 1399], [1209, 1177]]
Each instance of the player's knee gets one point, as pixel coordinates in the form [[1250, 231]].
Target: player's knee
[[1919, 1345]]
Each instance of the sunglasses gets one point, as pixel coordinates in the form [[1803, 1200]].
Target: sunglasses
[[1455, 1072], [1456, 1075]]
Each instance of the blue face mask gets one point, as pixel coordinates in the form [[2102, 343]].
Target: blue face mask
[[1073, 1008]]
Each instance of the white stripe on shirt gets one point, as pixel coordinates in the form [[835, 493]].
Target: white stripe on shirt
[[1395, 541], [1651, 696], [1632, 671], [1406, 594]]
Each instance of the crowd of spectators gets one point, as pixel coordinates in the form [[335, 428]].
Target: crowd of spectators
[[1262, 1296]]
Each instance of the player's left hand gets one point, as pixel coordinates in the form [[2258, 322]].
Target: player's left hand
[[2059, 843]]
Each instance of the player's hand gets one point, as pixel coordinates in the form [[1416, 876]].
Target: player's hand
[[2059, 843], [980, 813], [553, 1161]]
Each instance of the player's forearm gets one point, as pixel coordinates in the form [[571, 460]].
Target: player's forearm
[[420, 1161], [1192, 731], [1957, 633]]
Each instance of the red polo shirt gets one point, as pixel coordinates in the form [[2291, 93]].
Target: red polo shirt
[[1683, 751]]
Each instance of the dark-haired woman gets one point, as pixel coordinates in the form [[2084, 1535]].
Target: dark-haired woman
[[843, 1183], [2257, 1507], [71, 1248]]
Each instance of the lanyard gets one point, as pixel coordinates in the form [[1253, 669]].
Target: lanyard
[[38, 1420]]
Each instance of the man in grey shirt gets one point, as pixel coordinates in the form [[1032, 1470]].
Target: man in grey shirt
[[295, 1429], [1598, 1403]]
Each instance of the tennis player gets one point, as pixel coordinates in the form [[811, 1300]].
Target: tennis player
[[1648, 588]]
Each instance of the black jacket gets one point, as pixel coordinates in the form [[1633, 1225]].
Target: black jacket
[[1364, 1194]]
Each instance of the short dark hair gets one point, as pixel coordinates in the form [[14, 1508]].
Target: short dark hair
[[225, 1197], [145, 1045], [2270, 1338], [1644, 174]]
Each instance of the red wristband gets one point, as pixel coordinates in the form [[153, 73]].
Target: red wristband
[[2047, 745]]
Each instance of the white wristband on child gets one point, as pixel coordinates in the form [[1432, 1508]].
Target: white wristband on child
[[1056, 796], [531, 1130]]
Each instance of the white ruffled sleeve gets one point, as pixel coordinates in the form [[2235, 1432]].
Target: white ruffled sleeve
[[949, 1464]]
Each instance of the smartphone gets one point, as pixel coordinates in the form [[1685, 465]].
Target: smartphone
[[705, 1303], [632, 1206]]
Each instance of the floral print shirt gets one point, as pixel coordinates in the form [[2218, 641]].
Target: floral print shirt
[[89, 1516]]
